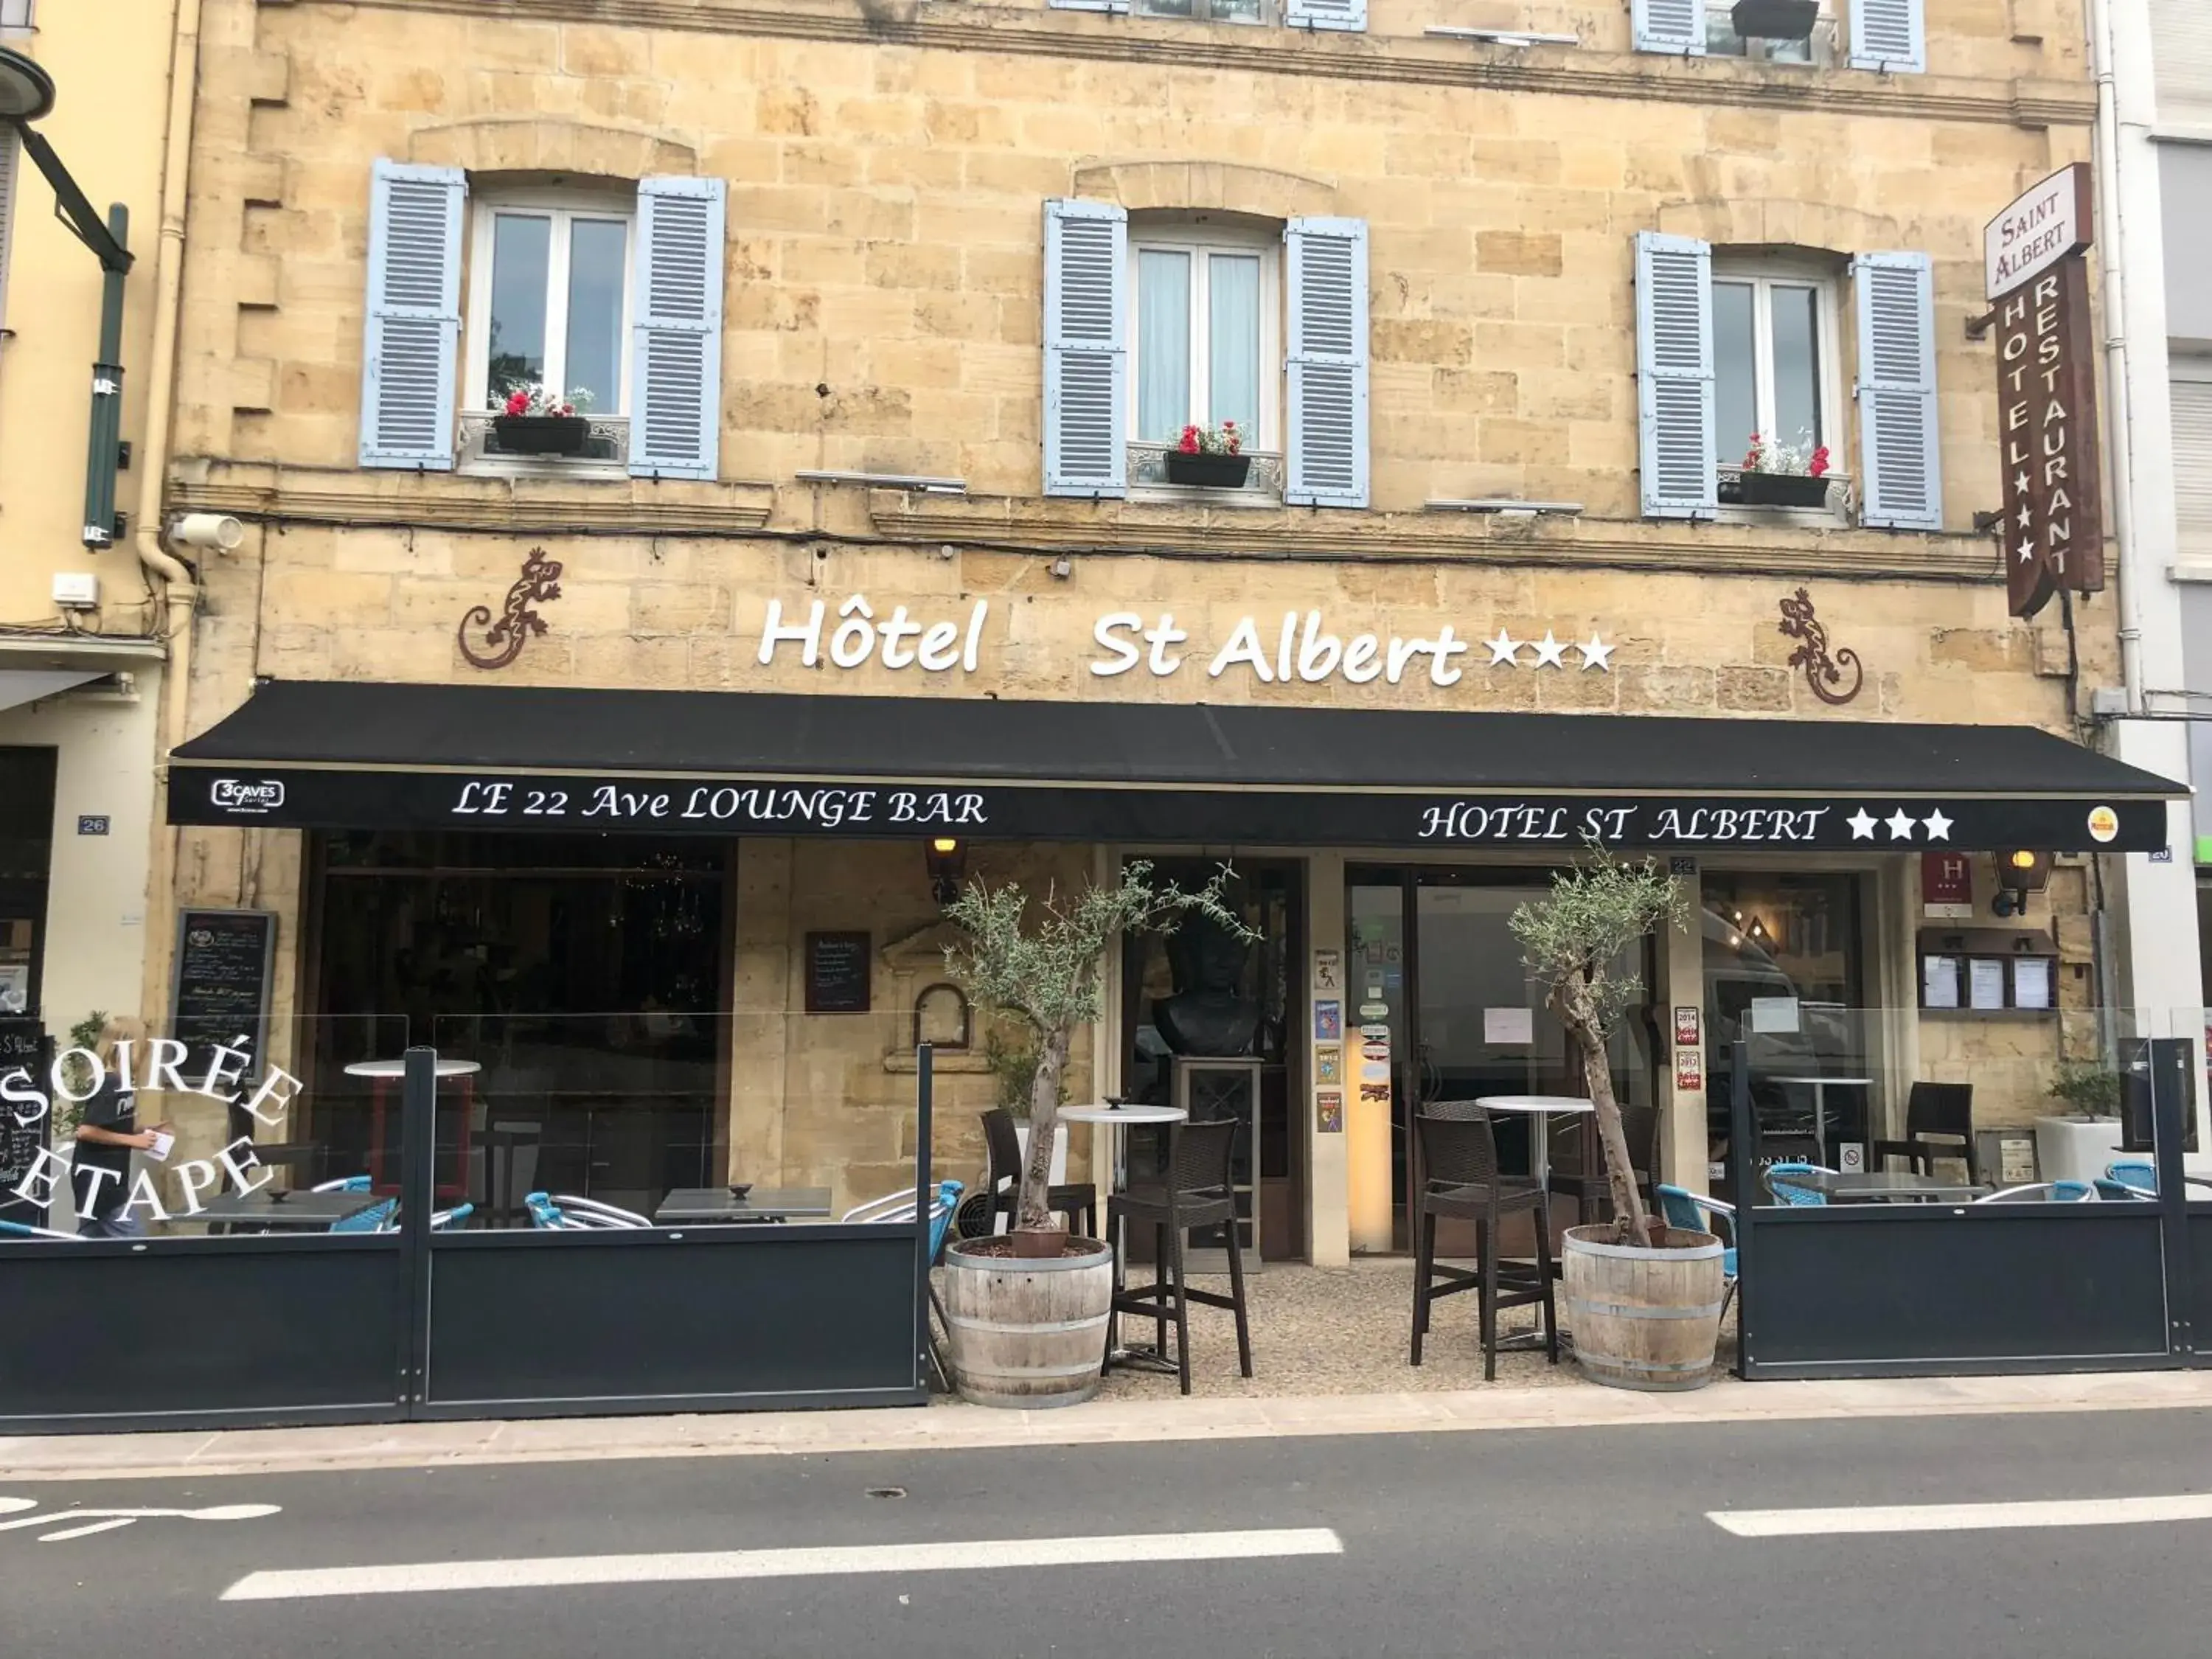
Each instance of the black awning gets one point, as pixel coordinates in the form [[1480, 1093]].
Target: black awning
[[339, 754]]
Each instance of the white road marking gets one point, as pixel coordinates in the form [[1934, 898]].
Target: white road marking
[[1963, 1517], [544, 1572], [108, 1519]]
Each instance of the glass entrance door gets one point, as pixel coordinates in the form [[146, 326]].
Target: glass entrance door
[[1436, 981]]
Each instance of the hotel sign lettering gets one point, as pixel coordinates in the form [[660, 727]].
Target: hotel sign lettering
[[2052, 530], [1079, 810]]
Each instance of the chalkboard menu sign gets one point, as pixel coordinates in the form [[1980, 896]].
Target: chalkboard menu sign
[[221, 987], [837, 973], [24, 1046]]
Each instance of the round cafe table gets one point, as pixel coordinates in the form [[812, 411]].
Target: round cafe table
[[398, 1068], [1121, 1119], [381, 1071], [1543, 1109]]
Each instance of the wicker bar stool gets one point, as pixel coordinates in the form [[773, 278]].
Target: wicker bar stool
[[1461, 1178], [1197, 1193]]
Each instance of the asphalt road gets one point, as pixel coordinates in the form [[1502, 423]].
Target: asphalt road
[[1570, 1542]]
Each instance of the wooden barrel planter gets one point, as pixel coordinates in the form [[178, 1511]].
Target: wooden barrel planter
[[1027, 1333], [1644, 1319]]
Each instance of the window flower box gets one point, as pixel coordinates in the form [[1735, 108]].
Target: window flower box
[[1775, 19], [542, 435], [1782, 489], [1214, 471]]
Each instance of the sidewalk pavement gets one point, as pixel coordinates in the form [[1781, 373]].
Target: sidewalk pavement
[[952, 1426]]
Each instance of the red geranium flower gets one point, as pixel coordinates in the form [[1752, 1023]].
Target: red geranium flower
[[1189, 444], [1817, 466]]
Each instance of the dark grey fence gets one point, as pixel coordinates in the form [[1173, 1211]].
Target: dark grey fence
[[265, 1330], [1913, 1290]]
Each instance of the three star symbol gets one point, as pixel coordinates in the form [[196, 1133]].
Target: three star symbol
[[1551, 650], [1899, 824]]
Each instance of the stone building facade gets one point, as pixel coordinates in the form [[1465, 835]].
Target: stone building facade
[[895, 310]]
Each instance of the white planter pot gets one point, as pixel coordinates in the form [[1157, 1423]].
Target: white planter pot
[[1059, 1161]]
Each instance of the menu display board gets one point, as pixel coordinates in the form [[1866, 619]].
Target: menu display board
[[224, 959], [837, 973], [22, 1045]]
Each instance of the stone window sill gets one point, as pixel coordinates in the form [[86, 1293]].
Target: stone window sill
[[609, 456], [1841, 509], [1148, 481]]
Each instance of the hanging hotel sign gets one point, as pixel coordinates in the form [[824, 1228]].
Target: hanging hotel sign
[[2038, 281]]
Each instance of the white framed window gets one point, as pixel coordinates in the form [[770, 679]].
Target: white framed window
[[1207, 322], [1214, 11], [549, 296], [18, 16], [1819, 50], [2190, 384], [1777, 367]]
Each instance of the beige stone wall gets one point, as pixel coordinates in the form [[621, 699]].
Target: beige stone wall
[[675, 611], [882, 311], [883, 286], [829, 1099]]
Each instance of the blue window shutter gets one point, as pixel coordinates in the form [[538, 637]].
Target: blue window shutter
[[414, 328], [1679, 463], [1900, 453], [676, 331], [1677, 27], [1086, 348], [1325, 366], [1325, 14], [1891, 35]]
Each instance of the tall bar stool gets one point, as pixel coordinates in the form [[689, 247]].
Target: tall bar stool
[[1197, 1191], [1461, 1178]]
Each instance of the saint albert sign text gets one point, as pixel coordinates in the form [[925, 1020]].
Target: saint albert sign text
[[1299, 646], [2053, 524]]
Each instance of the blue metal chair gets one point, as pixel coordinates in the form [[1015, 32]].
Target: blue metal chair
[[2136, 1173], [376, 1218], [446, 1221], [544, 1214], [1694, 1213], [1784, 1193], [354, 1183], [2119, 1192], [588, 1212], [566, 1213], [899, 1206], [25, 1230], [2045, 1192]]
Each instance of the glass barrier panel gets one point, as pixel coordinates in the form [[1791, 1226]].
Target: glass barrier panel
[[1965, 1103], [654, 1117]]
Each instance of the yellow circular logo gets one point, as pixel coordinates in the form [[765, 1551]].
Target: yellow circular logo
[[2103, 824]]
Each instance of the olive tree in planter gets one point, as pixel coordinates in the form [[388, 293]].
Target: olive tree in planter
[[1643, 1299], [1027, 1313]]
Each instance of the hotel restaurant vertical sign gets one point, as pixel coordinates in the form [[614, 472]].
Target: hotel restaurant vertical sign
[[2038, 281]]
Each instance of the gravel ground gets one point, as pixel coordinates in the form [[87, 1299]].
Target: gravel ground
[[1317, 1331]]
